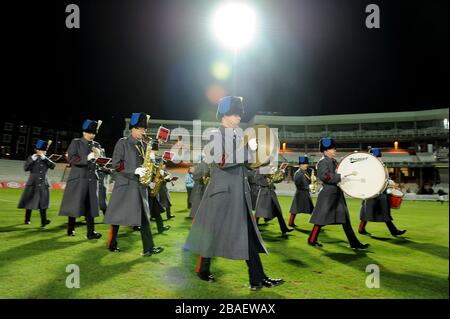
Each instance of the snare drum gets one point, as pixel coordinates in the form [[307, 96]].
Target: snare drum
[[395, 198], [371, 179]]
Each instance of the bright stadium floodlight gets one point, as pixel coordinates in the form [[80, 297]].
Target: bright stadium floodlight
[[234, 25]]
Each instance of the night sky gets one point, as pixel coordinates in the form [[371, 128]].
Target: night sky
[[309, 57]]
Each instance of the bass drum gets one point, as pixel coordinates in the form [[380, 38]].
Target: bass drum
[[371, 177]]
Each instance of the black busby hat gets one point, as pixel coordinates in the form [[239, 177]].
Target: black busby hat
[[90, 126], [326, 143], [139, 120], [41, 145], [375, 152], [230, 105], [303, 159]]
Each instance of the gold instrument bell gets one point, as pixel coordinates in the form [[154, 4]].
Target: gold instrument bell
[[267, 144]]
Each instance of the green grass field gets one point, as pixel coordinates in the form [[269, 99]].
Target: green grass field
[[33, 261]]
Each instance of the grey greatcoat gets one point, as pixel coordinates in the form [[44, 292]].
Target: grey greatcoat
[[254, 189], [202, 169], [302, 202], [220, 227], [164, 196], [266, 200], [36, 194], [128, 198], [82, 184], [331, 207], [376, 209]]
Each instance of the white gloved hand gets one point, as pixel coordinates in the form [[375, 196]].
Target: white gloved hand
[[34, 157], [43, 156], [162, 172], [389, 191], [252, 144], [152, 185], [152, 156], [140, 171], [91, 156]]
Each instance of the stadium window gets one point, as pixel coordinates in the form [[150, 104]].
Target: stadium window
[[7, 138], [23, 128], [405, 171], [21, 139], [6, 150], [36, 130], [8, 126]]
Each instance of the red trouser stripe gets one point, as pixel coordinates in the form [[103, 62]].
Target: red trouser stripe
[[291, 220], [314, 234], [362, 225], [110, 235], [199, 264]]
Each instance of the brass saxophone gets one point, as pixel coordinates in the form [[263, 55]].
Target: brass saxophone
[[206, 176], [158, 179], [314, 187], [276, 177], [147, 164]]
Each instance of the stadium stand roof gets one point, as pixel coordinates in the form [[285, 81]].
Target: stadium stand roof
[[435, 114]]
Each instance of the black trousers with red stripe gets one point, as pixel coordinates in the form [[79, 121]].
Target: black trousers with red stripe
[[254, 264], [351, 237], [292, 219], [146, 234]]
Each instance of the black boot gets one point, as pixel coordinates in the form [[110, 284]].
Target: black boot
[[93, 235], [44, 220], [27, 216], [206, 276]]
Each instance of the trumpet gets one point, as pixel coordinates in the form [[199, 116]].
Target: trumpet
[[276, 177], [97, 152]]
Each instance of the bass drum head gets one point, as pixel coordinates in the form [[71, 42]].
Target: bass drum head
[[371, 178]]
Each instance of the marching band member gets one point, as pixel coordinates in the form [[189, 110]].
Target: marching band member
[[267, 205], [331, 207], [80, 195], [201, 178], [164, 196], [36, 194], [156, 207], [128, 205], [189, 183], [223, 225], [378, 209], [302, 202]]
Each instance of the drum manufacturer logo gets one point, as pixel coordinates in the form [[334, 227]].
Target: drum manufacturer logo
[[13, 185], [354, 160]]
